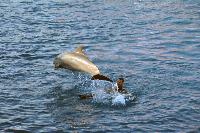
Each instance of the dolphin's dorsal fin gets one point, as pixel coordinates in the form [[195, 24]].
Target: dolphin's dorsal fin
[[79, 50]]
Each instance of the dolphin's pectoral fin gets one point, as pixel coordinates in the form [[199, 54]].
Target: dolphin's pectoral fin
[[79, 50], [101, 77]]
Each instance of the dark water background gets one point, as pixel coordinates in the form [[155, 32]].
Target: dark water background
[[154, 44]]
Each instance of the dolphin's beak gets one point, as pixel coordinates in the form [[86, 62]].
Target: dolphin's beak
[[56, 63]]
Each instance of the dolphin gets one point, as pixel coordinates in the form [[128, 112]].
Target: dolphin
[[78, 61], [118, 88]]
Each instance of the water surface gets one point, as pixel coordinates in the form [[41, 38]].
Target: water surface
[[154, 44]]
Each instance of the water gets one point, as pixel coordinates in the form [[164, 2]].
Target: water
[[154, 44]]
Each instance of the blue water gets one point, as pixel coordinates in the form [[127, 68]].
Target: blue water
[[154, 44]]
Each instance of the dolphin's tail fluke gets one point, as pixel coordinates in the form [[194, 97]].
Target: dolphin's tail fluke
[[101, 77]]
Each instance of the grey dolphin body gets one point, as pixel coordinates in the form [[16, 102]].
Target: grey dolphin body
[[77, 61]]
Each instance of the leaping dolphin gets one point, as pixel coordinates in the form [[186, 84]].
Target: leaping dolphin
[[78, 61]]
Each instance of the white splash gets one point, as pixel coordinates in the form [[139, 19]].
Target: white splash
[[106, 93], [119, 99]]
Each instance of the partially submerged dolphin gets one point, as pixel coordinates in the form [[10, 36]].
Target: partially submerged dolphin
[[78, 61], [118, 88]]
